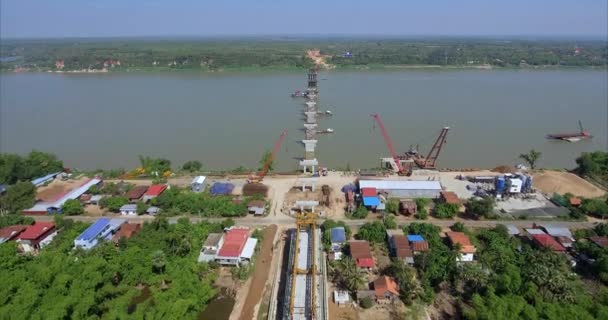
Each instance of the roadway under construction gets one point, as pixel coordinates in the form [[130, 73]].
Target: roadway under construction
[[303, 293]]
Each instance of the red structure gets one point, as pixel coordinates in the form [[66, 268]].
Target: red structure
[[389, 144], [277, 146]]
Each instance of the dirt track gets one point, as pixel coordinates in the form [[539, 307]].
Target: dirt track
[[563, 182], [260, 275]]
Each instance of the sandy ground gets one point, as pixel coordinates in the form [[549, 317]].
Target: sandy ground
[[258, 278], [57, 188], [342, 313], [383, 312], [319, 59], [563, 182]]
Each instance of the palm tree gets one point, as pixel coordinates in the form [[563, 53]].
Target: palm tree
[[531, 157], [159, 261], [349, 275]]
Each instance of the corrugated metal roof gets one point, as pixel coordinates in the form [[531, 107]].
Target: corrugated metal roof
[[36, 230], [400, 184], [414, 238], [338, 234], [199, 179], [155, 190], [512, 229], [371, 201], [369, 192], [556, 231], [249, 248], [535, 231], [94, 230], [41, 180], [129, 207]]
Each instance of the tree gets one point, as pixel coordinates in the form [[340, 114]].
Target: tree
[[360, 213], [406, 279], [392, 206], [141, 207], [367, 303], [192, 166], [446, 210], [374, 232], [154, 167], [113, 203], [531, 157], [72, 207], [267, 158], [601, 229], [389, 222], [421, 204], [347, 275], [480, 208], [595, 207], [458, 227], [11, 168], [159, 260], [18, 197]]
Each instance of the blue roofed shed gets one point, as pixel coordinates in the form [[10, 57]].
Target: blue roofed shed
[[338, 238], [100, 230], [371, 201], [414, 238]]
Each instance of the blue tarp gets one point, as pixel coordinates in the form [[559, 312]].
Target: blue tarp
[[414, 238], [338, 235], [221, 188], [371, 201], [349, 187]]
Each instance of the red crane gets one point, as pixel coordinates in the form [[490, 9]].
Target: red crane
[[431, 158], [389, 144], [260, 176]]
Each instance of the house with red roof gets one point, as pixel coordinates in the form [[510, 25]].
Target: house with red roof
[[36, 236], [361, 253], [467, 249], [237, 247], [546, 241], [154, 191], [385, 289], [11, 232]]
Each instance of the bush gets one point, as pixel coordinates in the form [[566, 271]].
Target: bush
[[366, 303], [392, 206], [113, 203], [389, 222], [595, 207], [141, 207], [373, 232], [360, 213], [421, 215], [192, 166], [446, 210], [458, 227], [422, 204], [72, 207], [480, 208]]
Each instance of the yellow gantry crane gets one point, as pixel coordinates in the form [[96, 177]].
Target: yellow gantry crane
[[303, 222]]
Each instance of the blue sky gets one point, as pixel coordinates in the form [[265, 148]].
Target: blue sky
[[109, 18]]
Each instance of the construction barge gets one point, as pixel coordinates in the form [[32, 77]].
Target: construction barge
[[571, 137]]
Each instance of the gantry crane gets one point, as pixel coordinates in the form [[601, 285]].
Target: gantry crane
[[387, 139], [260, 176], [305, 221]]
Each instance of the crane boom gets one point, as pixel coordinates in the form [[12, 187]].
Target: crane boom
[[387, 140], [431, 158], [276, 148]]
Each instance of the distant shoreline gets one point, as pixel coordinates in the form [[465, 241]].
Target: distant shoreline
[[361, 68]]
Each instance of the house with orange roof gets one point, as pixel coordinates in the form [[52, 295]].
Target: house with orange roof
[[467, 249], [385, 290]]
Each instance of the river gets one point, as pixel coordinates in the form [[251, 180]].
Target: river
[[226, 120]]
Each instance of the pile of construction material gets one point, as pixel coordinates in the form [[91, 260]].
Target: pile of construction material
[[251, 189]]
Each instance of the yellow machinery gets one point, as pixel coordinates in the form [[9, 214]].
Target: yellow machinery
[[304, 221]]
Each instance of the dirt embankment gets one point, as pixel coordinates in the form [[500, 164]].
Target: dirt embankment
[[319, 59], [260, 274], [564, 182]]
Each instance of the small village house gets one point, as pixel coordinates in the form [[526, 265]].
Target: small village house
[[136, 193], [417, 243], [257, 207], [102, 230], [154, 191], [467, 250], [408, 207], [341, 298], [361, 253], [11, 232], [128, 210], [386, 290], [337, 238], [36, 236], [126, 231], [210, 247], [237, 247]]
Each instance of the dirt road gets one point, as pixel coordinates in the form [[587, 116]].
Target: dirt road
[[260, 274]]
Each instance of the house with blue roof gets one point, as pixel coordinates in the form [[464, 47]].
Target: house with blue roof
[[101, 230], [414, 238], [338, 238]]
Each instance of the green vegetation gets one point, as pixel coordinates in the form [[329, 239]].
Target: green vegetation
[[192, 166], [20, 196], [14, 167], [392, 206], [510, 279], [390, 222], [595, 207], [374, 232], [598, 265], [360, 213], [422, 205], [367, 303], [113, 203], [531, 158], [11, 219], [445, 210], [103, 283], [480, 208], [154, 167], [177, 201], [72, 207], [141, 207], [594, 166], [405, 276], [346, 274], [211, 55]]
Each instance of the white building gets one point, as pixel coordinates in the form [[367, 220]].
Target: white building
[[128, 210], [404, 188], [102, 230]]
